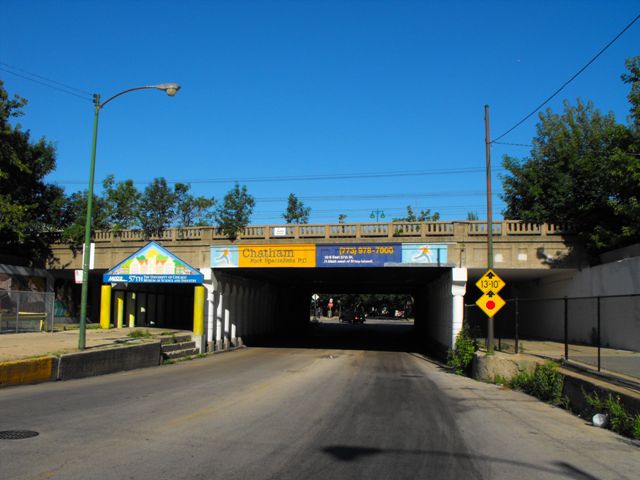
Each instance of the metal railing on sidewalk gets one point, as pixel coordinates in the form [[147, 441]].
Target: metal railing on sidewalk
[[600, 332], [26, 311]]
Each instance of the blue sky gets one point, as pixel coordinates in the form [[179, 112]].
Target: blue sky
[[275, 89]]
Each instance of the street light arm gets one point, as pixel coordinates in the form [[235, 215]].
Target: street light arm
[[170, 88]]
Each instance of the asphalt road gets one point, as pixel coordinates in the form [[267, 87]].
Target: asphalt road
[[299, 413]]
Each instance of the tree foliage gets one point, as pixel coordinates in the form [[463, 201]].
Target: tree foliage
[[423, 216], [157, 208], [632, 78], [122, 201], [74, 218], [296, 212], [192, 211], [30, 209], [581, 172], [234, 213]]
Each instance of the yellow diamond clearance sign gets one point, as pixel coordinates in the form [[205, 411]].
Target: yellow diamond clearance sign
[[490, 284]]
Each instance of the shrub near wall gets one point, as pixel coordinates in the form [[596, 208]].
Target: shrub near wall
[[462, 354]]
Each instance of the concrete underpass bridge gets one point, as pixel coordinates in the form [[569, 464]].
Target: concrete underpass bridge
[[261, 283]]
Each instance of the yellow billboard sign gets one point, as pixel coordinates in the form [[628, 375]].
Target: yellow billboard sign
[[277, 256]]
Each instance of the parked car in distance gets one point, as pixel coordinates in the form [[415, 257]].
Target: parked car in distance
[[351, 315]]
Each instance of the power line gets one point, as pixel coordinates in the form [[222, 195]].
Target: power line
[[45, 82], [513, 144], [324, 213], [299, 178], [570, 80], [322, 198]]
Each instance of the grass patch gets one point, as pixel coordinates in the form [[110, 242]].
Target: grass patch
[[139, 334], [618, 419], [545, 383]]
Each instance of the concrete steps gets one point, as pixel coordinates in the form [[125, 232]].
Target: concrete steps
[[176, 347]]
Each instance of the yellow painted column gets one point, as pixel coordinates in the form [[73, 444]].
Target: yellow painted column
[[119, 310], [199, 296], [105, 307], [198, 311], [131, 309]]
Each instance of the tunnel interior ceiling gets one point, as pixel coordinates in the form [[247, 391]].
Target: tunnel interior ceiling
[[347, 280]]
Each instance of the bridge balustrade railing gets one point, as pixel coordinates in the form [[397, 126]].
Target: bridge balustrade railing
[[480, 228], [437, 228], [312, 231], [342, 230], [374, 229], [523, 228]]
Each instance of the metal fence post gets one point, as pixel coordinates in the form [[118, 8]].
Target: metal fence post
[[516, 326], [599, 341], [500, 333], [18, 311], [566, 328]]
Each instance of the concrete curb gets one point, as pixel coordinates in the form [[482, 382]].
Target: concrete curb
[[28, 371], [110, 360]]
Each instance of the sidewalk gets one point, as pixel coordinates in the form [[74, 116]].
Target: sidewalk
[[16, 346]]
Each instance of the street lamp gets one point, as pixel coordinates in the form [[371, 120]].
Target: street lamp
[[377, 214], [171, 89]]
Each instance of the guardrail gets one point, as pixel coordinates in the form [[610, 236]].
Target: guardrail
[[391, 230]]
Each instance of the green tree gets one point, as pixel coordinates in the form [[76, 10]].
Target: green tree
[[122, 201], [427, 216], [234, 213], [472, 216], [296, 212], [632, 78], [580, 173], [342, 218], [423, 216], [74, 217], [192, 211], [157, 208], [31, 211]]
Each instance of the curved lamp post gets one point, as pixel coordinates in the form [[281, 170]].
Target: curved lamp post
[[171, 89], [377, 214]]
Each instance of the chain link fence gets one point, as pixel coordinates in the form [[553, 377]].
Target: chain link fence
[[600, 332], [26, 311]]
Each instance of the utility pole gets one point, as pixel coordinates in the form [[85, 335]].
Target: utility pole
[[487, 142]]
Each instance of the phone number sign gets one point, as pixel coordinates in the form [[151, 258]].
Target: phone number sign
[[358, 255]]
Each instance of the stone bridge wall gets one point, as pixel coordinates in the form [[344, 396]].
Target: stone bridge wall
[[516, 244]]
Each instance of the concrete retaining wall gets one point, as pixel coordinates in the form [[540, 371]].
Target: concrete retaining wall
[[576, 385], [79, 365], [100, 362]]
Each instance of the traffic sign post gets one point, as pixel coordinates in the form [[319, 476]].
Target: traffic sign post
[[490, 302]]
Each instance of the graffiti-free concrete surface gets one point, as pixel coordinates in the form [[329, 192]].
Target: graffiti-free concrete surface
[[15, 346]]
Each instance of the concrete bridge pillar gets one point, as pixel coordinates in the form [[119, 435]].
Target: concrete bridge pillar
[[458, 289]]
